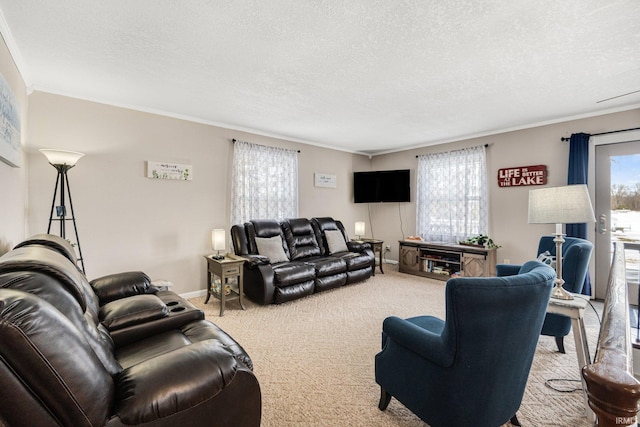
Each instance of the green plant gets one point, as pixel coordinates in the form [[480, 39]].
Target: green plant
[[481, 240]]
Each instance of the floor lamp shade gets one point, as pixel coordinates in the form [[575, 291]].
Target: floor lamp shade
[[62, 157], [560, 205]]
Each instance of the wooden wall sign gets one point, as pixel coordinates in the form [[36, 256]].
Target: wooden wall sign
[[522, 175], [165, 170]]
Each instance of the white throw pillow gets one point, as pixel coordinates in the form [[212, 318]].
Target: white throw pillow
[[271, 247], [547, 258], [335, 241]]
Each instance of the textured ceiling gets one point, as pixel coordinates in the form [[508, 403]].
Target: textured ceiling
[[360, 75]]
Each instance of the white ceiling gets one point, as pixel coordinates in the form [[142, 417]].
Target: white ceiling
[[359, 75]]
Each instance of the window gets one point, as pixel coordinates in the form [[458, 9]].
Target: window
[[264, 183], [451, 195]]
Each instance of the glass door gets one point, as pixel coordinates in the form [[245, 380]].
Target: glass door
[[617, 205]]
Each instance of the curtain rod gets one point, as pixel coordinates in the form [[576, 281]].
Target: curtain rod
[[485, 146], [602, 133], [234, 141]]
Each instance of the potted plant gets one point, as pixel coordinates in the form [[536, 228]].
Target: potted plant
[[480, 240]]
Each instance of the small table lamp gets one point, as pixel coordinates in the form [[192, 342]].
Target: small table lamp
[[560, 205], [359, 229], [217, 242]]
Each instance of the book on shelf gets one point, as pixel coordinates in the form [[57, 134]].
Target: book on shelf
[[215, 288]]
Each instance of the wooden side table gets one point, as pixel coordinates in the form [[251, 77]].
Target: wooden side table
[[376, 246], [226, 272], [574, 309]]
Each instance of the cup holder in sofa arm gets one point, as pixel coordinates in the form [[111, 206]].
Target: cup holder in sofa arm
[[172, 303], [177, 309]]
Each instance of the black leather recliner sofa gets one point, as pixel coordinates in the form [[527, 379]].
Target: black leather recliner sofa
[[298, 257], [61, 366]]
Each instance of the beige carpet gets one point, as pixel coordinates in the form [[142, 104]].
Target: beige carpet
[[314, 357]]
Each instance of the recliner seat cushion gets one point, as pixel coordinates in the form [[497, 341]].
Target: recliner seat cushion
[[293, 272], [199, 371], [327, 266], [289, 293], [193, 332], [354, 261], [330, 282]]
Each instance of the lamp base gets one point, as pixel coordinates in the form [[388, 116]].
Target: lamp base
[[560, 293]]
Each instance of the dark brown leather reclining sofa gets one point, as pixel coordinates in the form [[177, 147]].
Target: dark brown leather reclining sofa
[[298, 257], [114, 352]]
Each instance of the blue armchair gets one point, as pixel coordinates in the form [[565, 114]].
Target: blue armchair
[[472, 368], [575, 264]]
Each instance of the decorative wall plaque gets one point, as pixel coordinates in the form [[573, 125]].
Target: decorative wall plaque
[[522, 175], [165, 170], [325, 180]]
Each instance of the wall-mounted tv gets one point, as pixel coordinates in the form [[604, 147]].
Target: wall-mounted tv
[[381, 186]]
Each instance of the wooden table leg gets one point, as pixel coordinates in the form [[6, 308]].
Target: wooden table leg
[[208, 286], [241, 289], [223, 293], [582, 351]]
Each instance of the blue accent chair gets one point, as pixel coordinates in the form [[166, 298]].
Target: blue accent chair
[[575, 265], [472, 368]]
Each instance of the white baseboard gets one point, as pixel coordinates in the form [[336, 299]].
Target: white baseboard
[[194, 294]]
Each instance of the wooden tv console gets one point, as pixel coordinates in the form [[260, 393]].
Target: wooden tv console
[[441, 261]]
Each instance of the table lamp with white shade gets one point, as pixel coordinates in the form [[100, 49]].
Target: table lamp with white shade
[[560, 205], [218, 242], [359, 229]]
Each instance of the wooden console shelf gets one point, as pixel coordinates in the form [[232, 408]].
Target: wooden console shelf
[[441, 261]]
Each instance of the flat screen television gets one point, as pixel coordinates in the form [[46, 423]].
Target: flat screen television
[[381, 186]]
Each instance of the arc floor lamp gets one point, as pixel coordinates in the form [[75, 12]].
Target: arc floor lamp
[[63, 161]]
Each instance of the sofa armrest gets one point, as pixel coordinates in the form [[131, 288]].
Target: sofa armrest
[[173, 382], [139, 324], [132, 310], [507, 269], [253, 261], [358, 246], [427, 343], [122, 285]]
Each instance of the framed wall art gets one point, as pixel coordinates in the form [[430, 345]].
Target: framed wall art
[[10, 150], [325, 180], [166, 170]]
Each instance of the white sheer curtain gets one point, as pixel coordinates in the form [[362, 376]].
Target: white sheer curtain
[[264, 183], [452, 196]]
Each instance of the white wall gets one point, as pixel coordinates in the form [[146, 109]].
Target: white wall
[[508, 206], [129, 222], [13, 180]]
